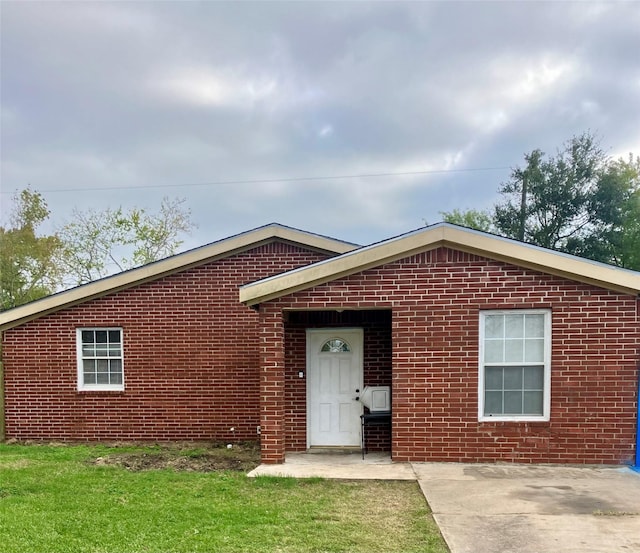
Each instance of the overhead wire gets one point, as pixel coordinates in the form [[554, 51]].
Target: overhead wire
[[276, 180]]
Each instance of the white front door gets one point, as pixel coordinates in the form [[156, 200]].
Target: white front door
[[334, 373]]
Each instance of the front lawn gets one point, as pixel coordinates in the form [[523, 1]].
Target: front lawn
[[153, 499]]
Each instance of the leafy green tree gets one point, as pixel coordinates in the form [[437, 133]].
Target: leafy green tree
[[93, 245], [579, 201], [98, 243], [631, 235], [29, 267], [472, 218], [548, 201], [614, 212]]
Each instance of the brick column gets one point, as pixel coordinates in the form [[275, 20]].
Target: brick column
[[401, 386], [272, 413]]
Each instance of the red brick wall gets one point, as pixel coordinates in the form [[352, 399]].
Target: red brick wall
[[435, 299], [191, 359]]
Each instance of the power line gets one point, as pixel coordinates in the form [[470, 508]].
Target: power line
[[269, 181]]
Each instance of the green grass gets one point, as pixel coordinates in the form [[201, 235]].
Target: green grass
[[56, 499]]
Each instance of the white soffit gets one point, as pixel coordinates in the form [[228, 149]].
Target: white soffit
[[450, 236]]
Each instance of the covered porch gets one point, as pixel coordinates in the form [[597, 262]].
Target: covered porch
[[315, 364]]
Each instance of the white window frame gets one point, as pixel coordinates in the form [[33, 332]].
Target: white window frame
[[98, 387], [546, 400]]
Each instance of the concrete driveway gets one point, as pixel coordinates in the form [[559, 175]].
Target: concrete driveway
[[533, 508]]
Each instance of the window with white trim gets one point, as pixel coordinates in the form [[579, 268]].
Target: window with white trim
[[515, 365], [100, 359]]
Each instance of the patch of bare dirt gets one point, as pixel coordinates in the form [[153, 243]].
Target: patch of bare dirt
[[240, 457]]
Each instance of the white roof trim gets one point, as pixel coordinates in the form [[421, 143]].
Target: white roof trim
[[170, 265], [454, 237]]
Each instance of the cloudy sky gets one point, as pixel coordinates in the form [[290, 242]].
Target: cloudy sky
[[406, 109]]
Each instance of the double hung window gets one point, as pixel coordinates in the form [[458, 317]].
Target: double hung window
[[515, 365], [100, 359]]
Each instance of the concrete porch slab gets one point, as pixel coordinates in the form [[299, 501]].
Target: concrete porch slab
[[343, 466]]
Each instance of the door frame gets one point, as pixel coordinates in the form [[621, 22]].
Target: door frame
[[335, 331]]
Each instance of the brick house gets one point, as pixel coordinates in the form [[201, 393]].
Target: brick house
[[493, 350]]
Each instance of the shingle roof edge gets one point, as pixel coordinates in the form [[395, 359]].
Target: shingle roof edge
[[176, 263], [449, 235]]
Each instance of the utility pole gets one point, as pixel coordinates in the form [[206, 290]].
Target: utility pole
[[523, 206]]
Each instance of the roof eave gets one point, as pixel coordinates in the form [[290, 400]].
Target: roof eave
[[466, 240], [177, 263], [344, 265]]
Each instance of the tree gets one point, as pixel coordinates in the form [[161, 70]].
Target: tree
[[614, 211], [631, 235], [93, 245], [547, 202], [579, 201], [100, 242], [29, 267], [472, 218]]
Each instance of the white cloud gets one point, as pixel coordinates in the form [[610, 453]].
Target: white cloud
[[325, 130], [202, 86], [535, 79], [513, 85]]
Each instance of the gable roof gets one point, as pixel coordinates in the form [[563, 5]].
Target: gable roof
[[174, 264], [450, 236]]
